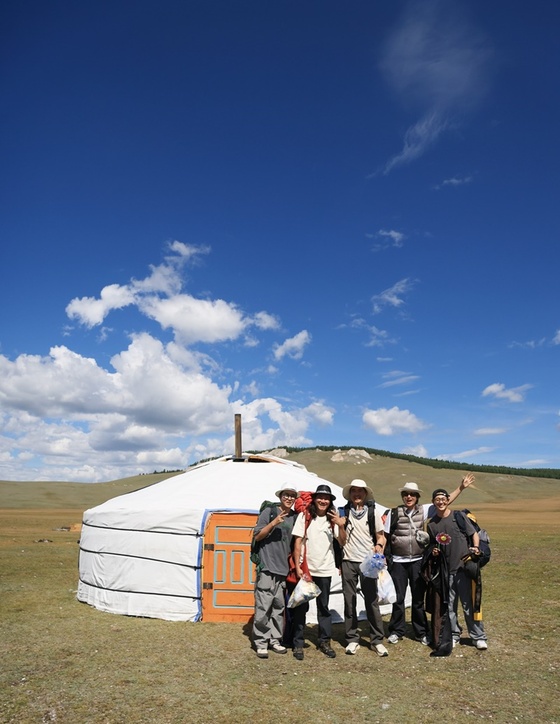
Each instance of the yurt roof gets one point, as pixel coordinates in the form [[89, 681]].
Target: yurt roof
[[227, 484]]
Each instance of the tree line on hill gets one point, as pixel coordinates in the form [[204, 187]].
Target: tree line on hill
[[430, 462], [434, 463]]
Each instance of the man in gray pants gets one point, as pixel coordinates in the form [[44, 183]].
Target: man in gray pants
[[448, 540], [364, 534], [274, 534]]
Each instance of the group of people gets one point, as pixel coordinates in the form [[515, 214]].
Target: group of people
[[425, 547]]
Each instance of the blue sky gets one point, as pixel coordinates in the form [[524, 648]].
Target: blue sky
[[339, 220]]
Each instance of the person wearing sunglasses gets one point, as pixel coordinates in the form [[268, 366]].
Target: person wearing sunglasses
[[404, 529]]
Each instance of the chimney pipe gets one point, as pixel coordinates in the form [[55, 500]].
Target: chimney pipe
[[238, 445]]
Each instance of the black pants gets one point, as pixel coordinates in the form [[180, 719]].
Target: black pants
[[288, 637], [323, 614], [402, 575]]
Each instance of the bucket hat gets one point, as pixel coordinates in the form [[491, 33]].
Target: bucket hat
[[286, 489], [357, 484], [411, 488]]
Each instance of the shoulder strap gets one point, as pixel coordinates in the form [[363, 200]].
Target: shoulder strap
[[394, 520], [307, 522], [459, 518], [371, 519]]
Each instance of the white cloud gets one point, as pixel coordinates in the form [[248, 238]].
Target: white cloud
[[377, 337], [267, 425], [70, 419], [417, 139], [536, 462], [165, 278], [66, 417], [500, 392], [159, 297], [530, 344], [265, 321], [396, 377], [188, 252], [196, 320], [251, 389], [556, 338], [465, 454], [319, 413], [171, 459], [454, 181], [91, 311], [148, 386], [392, 297], [419, 450], [292, 347], [490, 431], [393, 421], [435, 60], [397, 237]]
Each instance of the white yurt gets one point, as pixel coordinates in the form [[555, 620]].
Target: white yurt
[[180, 549]]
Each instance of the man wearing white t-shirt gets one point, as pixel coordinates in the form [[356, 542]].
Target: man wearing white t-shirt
[[315, 541], [364, 534]]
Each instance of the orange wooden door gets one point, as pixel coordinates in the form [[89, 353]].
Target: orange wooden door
[[228, 576]]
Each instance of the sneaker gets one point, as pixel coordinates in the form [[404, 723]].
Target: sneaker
[[380, 650], [262, 653], [481, 644], [425, 641], [298, 654], [455, 643], [393, 639], [352, 648], [325, 648], [277, 648]]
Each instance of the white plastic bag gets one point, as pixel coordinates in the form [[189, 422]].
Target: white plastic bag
[[385, 588], [303, 592]]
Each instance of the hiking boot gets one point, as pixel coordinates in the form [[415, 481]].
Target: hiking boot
[[481, 644], [393, 639], [298, 654], [352, 648], [262, 653], [379, 649], [325, 648], [277, 648]]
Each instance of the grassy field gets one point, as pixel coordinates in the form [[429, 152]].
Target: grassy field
[[63, 661]]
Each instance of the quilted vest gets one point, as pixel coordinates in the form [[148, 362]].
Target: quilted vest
[[403, 538]]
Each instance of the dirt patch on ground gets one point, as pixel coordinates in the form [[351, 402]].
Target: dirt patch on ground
[[541, 513], [45, 522]]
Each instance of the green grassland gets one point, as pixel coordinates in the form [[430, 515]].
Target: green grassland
[[63, 661]]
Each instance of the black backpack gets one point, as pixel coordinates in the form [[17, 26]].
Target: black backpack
[[370, 505], [484, 538]]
